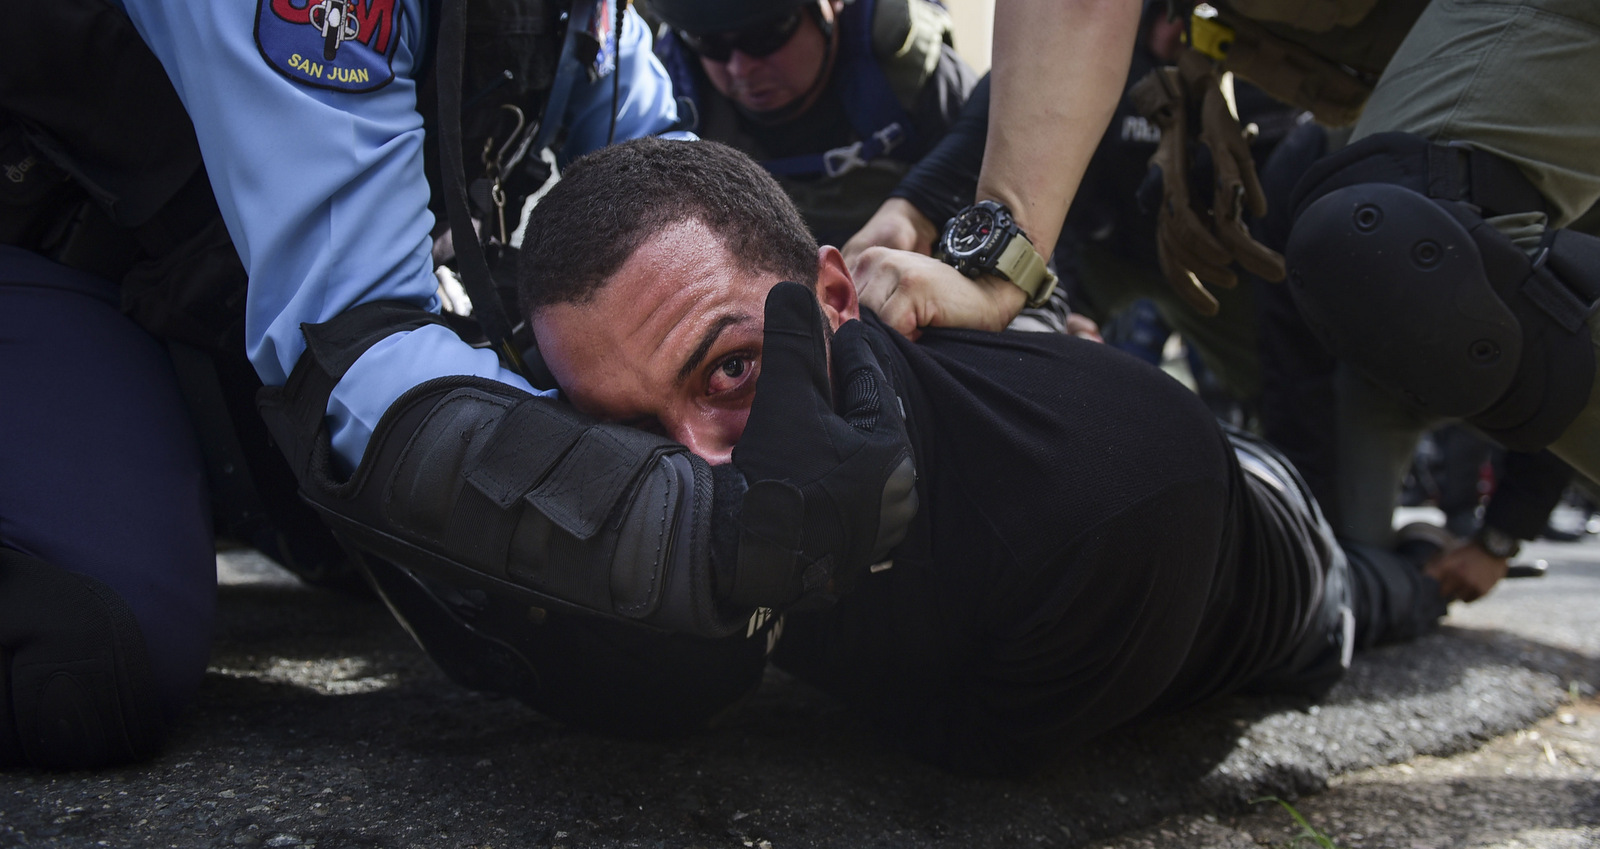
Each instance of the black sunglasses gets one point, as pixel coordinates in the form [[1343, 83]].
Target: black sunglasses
[[763, 39]]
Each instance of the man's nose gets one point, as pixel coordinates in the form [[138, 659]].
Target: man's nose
[[741, 63], [705, 441]]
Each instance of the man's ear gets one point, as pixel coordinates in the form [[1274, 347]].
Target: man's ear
[[835, 290]]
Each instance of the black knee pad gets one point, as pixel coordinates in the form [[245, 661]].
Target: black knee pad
[[1555, 297], [1395, 268], [1395, 286], [76, 689]]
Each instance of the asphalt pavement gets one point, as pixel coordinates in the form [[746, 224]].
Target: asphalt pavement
[[321, 725]]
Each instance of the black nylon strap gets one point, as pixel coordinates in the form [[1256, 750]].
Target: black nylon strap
[[1457, 172], [1564, 282], [1450, 172], [331, 349], [475, 276], [594, 477], [526, 447]]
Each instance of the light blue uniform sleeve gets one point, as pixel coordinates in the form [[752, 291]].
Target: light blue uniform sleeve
[[645, 103], [324, 195]]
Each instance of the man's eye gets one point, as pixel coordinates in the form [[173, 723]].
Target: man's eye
[[730, 375]]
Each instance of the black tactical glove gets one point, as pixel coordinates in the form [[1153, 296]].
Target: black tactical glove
[[832, 487]]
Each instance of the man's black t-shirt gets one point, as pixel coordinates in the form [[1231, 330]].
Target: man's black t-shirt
[[1088, 551]]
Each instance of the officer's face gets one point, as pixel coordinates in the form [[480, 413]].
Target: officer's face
[[672, 342], [778, 79]]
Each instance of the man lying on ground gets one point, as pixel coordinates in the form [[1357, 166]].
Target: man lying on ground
[[1091, 547]]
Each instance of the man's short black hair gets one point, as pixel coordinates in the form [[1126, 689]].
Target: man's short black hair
[[608, 203]]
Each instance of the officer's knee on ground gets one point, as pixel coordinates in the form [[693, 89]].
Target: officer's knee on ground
[[76, 687]]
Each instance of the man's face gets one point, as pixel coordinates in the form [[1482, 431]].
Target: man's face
[[778, 79], [672, 342]]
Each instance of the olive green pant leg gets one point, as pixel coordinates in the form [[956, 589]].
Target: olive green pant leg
[[1109, 285], [1579, 444], [1513, 77], [1377, 438], [1226, 342]]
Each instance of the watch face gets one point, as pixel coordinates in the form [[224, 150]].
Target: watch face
[[1498, 543], [971, 232]]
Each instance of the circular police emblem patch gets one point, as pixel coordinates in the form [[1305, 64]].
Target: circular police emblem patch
[[343, 45]]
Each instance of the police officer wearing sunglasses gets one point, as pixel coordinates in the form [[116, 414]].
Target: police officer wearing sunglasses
[[836, 99]]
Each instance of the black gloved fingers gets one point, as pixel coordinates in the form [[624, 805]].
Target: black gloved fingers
[[794, 389], [865, 396], [795, 346], [790, 432], [829, 493], [868, 402], [785, 447]]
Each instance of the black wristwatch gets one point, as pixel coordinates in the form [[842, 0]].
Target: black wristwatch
[[984, 239], [1497, 543]]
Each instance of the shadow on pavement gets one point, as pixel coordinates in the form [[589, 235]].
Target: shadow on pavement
[[320, 723]]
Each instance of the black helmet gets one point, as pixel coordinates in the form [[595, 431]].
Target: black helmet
[[701, 16]]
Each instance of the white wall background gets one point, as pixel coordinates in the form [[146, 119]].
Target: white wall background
[[974, 25]]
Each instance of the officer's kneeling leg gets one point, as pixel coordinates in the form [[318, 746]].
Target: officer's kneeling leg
[[75, 678], [102, 487], [1429, 301]]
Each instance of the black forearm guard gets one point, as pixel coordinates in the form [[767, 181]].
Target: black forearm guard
[[472, 482]]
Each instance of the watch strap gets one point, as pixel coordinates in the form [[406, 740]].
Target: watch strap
[[1023, 266], [1497, 543]]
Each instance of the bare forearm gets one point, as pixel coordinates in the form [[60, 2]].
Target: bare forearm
[[1059, 70]]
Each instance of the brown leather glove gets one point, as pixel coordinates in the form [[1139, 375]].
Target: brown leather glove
[[1196, 246]]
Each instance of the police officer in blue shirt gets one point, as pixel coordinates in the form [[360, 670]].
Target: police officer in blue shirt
[[158, 155]]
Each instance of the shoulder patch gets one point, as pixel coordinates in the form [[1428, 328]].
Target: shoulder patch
[[342, 45]]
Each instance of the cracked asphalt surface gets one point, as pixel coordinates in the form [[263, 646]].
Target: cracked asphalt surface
[[320, 724]]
